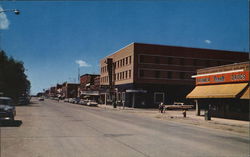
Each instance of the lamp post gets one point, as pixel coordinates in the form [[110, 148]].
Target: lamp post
[[16, 11]]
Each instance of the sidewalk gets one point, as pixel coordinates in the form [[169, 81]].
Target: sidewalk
[[233, 126]]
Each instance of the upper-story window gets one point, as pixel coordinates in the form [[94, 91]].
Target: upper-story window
[[123, 61], [130, 59], [169, 74], [170, 60], [157, 60], [141, 73], [157, 74], [126, 60], [126, 74], [129, 73], [142, 59], [181, 61]]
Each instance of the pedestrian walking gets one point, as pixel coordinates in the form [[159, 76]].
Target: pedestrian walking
[[161, 107]]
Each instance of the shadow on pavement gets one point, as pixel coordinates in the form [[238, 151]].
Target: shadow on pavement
[[10, 123]]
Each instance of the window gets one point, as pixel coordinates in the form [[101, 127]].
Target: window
[[182, 75], [123, 61], [126, 74], [157, 60], [157, 74], [130, 59], [195, 62], [129, 73], [170, 60], [141, 73], [158, 97], [120, 75], [181, 61], [208, 63], [169, 74], [126, 60], [142, 59]]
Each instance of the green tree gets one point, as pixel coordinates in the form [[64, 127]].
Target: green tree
[[13, 81]]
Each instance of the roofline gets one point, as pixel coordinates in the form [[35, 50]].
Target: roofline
[[189, 47], [173, 46], [221, 66], [118, 50]]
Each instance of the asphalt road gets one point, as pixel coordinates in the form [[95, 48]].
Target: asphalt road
[[52, 129]]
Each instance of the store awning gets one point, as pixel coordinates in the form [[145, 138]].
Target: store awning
[[246, 94], [217, 91]]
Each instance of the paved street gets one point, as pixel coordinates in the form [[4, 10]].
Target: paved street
[[52, 129]]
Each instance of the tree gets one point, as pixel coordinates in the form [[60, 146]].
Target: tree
[[13, 81]]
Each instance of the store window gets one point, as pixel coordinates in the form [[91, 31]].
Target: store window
[[158, 97]]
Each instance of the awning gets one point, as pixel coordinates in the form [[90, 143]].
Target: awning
[[217, 91], [246, 94]]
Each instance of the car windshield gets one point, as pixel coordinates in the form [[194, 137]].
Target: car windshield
[[5, 102]]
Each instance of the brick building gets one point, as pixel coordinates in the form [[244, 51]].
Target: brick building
[[69, 90], [145, 74], [224, 90], [89, 86]]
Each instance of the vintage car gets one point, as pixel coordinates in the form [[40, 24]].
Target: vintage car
[[7, 109]]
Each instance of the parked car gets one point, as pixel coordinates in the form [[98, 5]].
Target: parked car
[[41, 98], [71, 100], [83, 102], [66, 100], [7, 109], [76, 100], [92, 103]]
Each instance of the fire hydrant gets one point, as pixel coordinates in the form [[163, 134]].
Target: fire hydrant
[[184, 112]]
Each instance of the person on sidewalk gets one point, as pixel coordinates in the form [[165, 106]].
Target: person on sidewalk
[[161, 107]]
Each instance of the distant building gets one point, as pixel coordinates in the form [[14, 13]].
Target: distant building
[[52, 92], [69, 90], [224, 90], [145, 74], [89, 86]]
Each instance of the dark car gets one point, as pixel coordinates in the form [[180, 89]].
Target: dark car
[[7, 109]]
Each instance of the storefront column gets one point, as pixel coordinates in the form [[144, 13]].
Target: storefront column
[[198, 111], [105, 99], [133, 100]]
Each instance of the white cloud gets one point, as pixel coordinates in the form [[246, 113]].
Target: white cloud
[[208, 41], [82, 63], [4, 22]]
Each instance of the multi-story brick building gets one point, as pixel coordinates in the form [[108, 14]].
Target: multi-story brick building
[[147, 74], [224, 90], [89, 85], [69, 90]]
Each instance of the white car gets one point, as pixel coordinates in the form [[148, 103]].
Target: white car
[[92, 103]]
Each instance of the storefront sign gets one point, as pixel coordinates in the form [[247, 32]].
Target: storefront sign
[[223, 78]]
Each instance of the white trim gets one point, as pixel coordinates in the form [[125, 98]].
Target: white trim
[[224, 72]]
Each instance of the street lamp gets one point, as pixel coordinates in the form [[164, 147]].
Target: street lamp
[[16, 11]]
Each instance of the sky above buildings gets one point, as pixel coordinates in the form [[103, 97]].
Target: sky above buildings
[[54, 38]]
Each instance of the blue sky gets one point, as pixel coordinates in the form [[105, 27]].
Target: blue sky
[[49, 37]]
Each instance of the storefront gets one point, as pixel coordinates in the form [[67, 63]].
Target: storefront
[[224, 90]]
